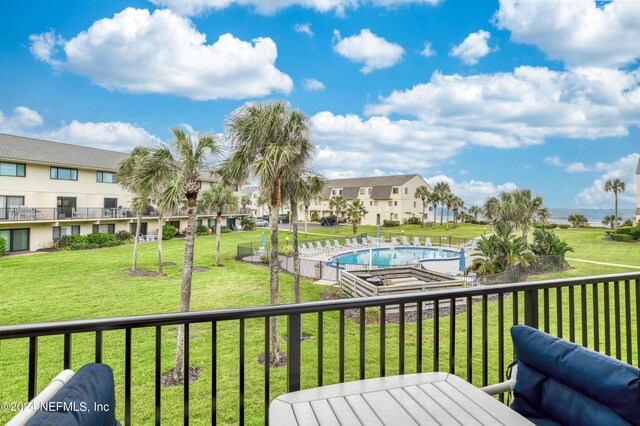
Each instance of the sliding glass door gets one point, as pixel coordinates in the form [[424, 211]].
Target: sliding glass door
[[17, 239]]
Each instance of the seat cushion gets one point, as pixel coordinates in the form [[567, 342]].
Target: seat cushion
[[567, 383], [87, 399]]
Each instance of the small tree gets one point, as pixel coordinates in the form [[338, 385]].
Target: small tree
[[577, 220], [338, 203], [616, 186], [422, 192], [355, 213], [217, 199], [245, 200]]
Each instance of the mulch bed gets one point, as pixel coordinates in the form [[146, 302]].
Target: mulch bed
[[167, 380], [272, 364], [372, 314], [142, 273]]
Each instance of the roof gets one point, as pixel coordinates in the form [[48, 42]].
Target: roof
[[381, 185], [248, 190], [21, 148], [638, 168]]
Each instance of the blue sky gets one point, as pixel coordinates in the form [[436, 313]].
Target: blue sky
[[530, 94]]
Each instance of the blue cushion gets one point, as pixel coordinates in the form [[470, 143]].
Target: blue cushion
[[75, 403], [569, 384]]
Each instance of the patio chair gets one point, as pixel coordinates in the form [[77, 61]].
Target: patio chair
[[328, 246], [364, 242], [405, 241], [394, 241], [559, 382], [309, 249], [348, 243], [336, 245], [319, 247], [427, 242], [416, 241]]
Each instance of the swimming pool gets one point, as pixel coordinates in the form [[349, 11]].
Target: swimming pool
[[383, 257]]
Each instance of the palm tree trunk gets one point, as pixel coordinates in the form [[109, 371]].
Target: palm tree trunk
[[615, 219], [160, 229], [355, 228], [135, 243], [306, 221], [273, 282], [422, 219], [218, 229], [435, 215], [185, 290], [441, 214], [447, 218], [296, 254]]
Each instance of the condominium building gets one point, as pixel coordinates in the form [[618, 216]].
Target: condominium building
[[50, 189], [384, 197]]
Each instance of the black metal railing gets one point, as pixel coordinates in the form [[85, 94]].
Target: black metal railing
[[30, 214], [601, 312]]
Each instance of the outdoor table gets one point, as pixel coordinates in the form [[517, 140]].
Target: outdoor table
[[424, 399]]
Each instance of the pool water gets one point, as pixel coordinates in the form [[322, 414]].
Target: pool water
[[395, 256]]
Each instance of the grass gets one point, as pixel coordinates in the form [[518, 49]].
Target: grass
[[90, 284]]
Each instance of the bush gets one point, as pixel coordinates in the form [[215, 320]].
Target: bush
[[124, 236], [71, 242], [390, 223], [202, 230], [3, 246], [315, 217], [168, 232], [413, 221], [627, 222], [248, 224], [224, 230], [287, 250], [97, 240], [625, 238], [83, 242], [624, 230], [563, 226], [264, 258]]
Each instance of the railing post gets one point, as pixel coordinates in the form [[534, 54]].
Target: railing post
[[531, 308], [294, 332]]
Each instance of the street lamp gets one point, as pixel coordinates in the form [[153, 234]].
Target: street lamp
[[484, 232], [287, 239]]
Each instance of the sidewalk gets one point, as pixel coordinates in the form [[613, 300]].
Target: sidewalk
[[603, 263]]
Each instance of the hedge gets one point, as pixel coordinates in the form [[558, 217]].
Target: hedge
[[626, 238], [390, 223], [3, 246], [84, 242]]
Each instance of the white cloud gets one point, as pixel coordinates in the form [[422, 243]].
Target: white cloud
[[472, 48], [427, 51], [524, 107], [303, 29], [312, 85], [553, 161], [579, 33], [22, 118], [44, 46], [161, 52], [623, 168], [473, 192], [115, 135], [577, 167], [269, 7], [373, 51]]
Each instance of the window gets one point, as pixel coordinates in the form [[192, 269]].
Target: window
[[390, 203], [198, 223], [12, 169], [8, 204], [375, 203], [104, 229], [174, 223], [17, 239], [64, 174], [143, 228], [406, 191], [110, 203], [395, 203], [105, 177], [395, 190], [361, 191], [212, 223], [370, 189], [333, 192], [414, 204], [395, 216], [61, 231], [371, 203]]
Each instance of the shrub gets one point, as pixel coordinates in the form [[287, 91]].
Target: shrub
[[124, 236], [287, 250], [624, 230], [413, 221], [71, 242], [97, 240], [83, 242], [563, 226], [625, 238], [224, 230], [627, 222], [248, 223], [168, 232], [264, 258], [315, 217], [201, 230], [390, 223], [3, 246]]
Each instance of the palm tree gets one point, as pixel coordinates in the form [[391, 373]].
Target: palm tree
[[475, 212], [543, 215], [355, 213], [457, 203], [433, 199], [127, 178], [245, 200], [217, 199], [293, 190], [577, 220], [183, 161], [442, 189], [314, 184], [269, 142], [616, 186], [448, 202], [422, 192], [527, 208], [337, 203], [611, 221]]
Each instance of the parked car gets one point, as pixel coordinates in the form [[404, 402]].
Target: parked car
[[283, 219], [328, 221], [261, 222]]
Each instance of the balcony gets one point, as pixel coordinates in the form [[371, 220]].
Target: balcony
[[602, 313]]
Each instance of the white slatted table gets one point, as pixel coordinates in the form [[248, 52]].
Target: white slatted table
[[413, 399]]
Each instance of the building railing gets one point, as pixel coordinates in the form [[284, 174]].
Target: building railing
[[601, 312]]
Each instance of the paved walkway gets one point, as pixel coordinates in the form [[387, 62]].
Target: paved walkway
[[603, 263]]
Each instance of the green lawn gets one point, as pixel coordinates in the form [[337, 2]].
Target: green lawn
[[589, 245], [90, 284]]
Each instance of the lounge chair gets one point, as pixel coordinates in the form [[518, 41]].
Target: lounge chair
[[394, 241], [336, 245], [405, 241], [328, 246], [416, 241], [364, 242], [427, 242], [319, 247], [348, 243]]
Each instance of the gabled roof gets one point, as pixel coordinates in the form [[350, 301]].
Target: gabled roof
[[21, 148], [381, 186]]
